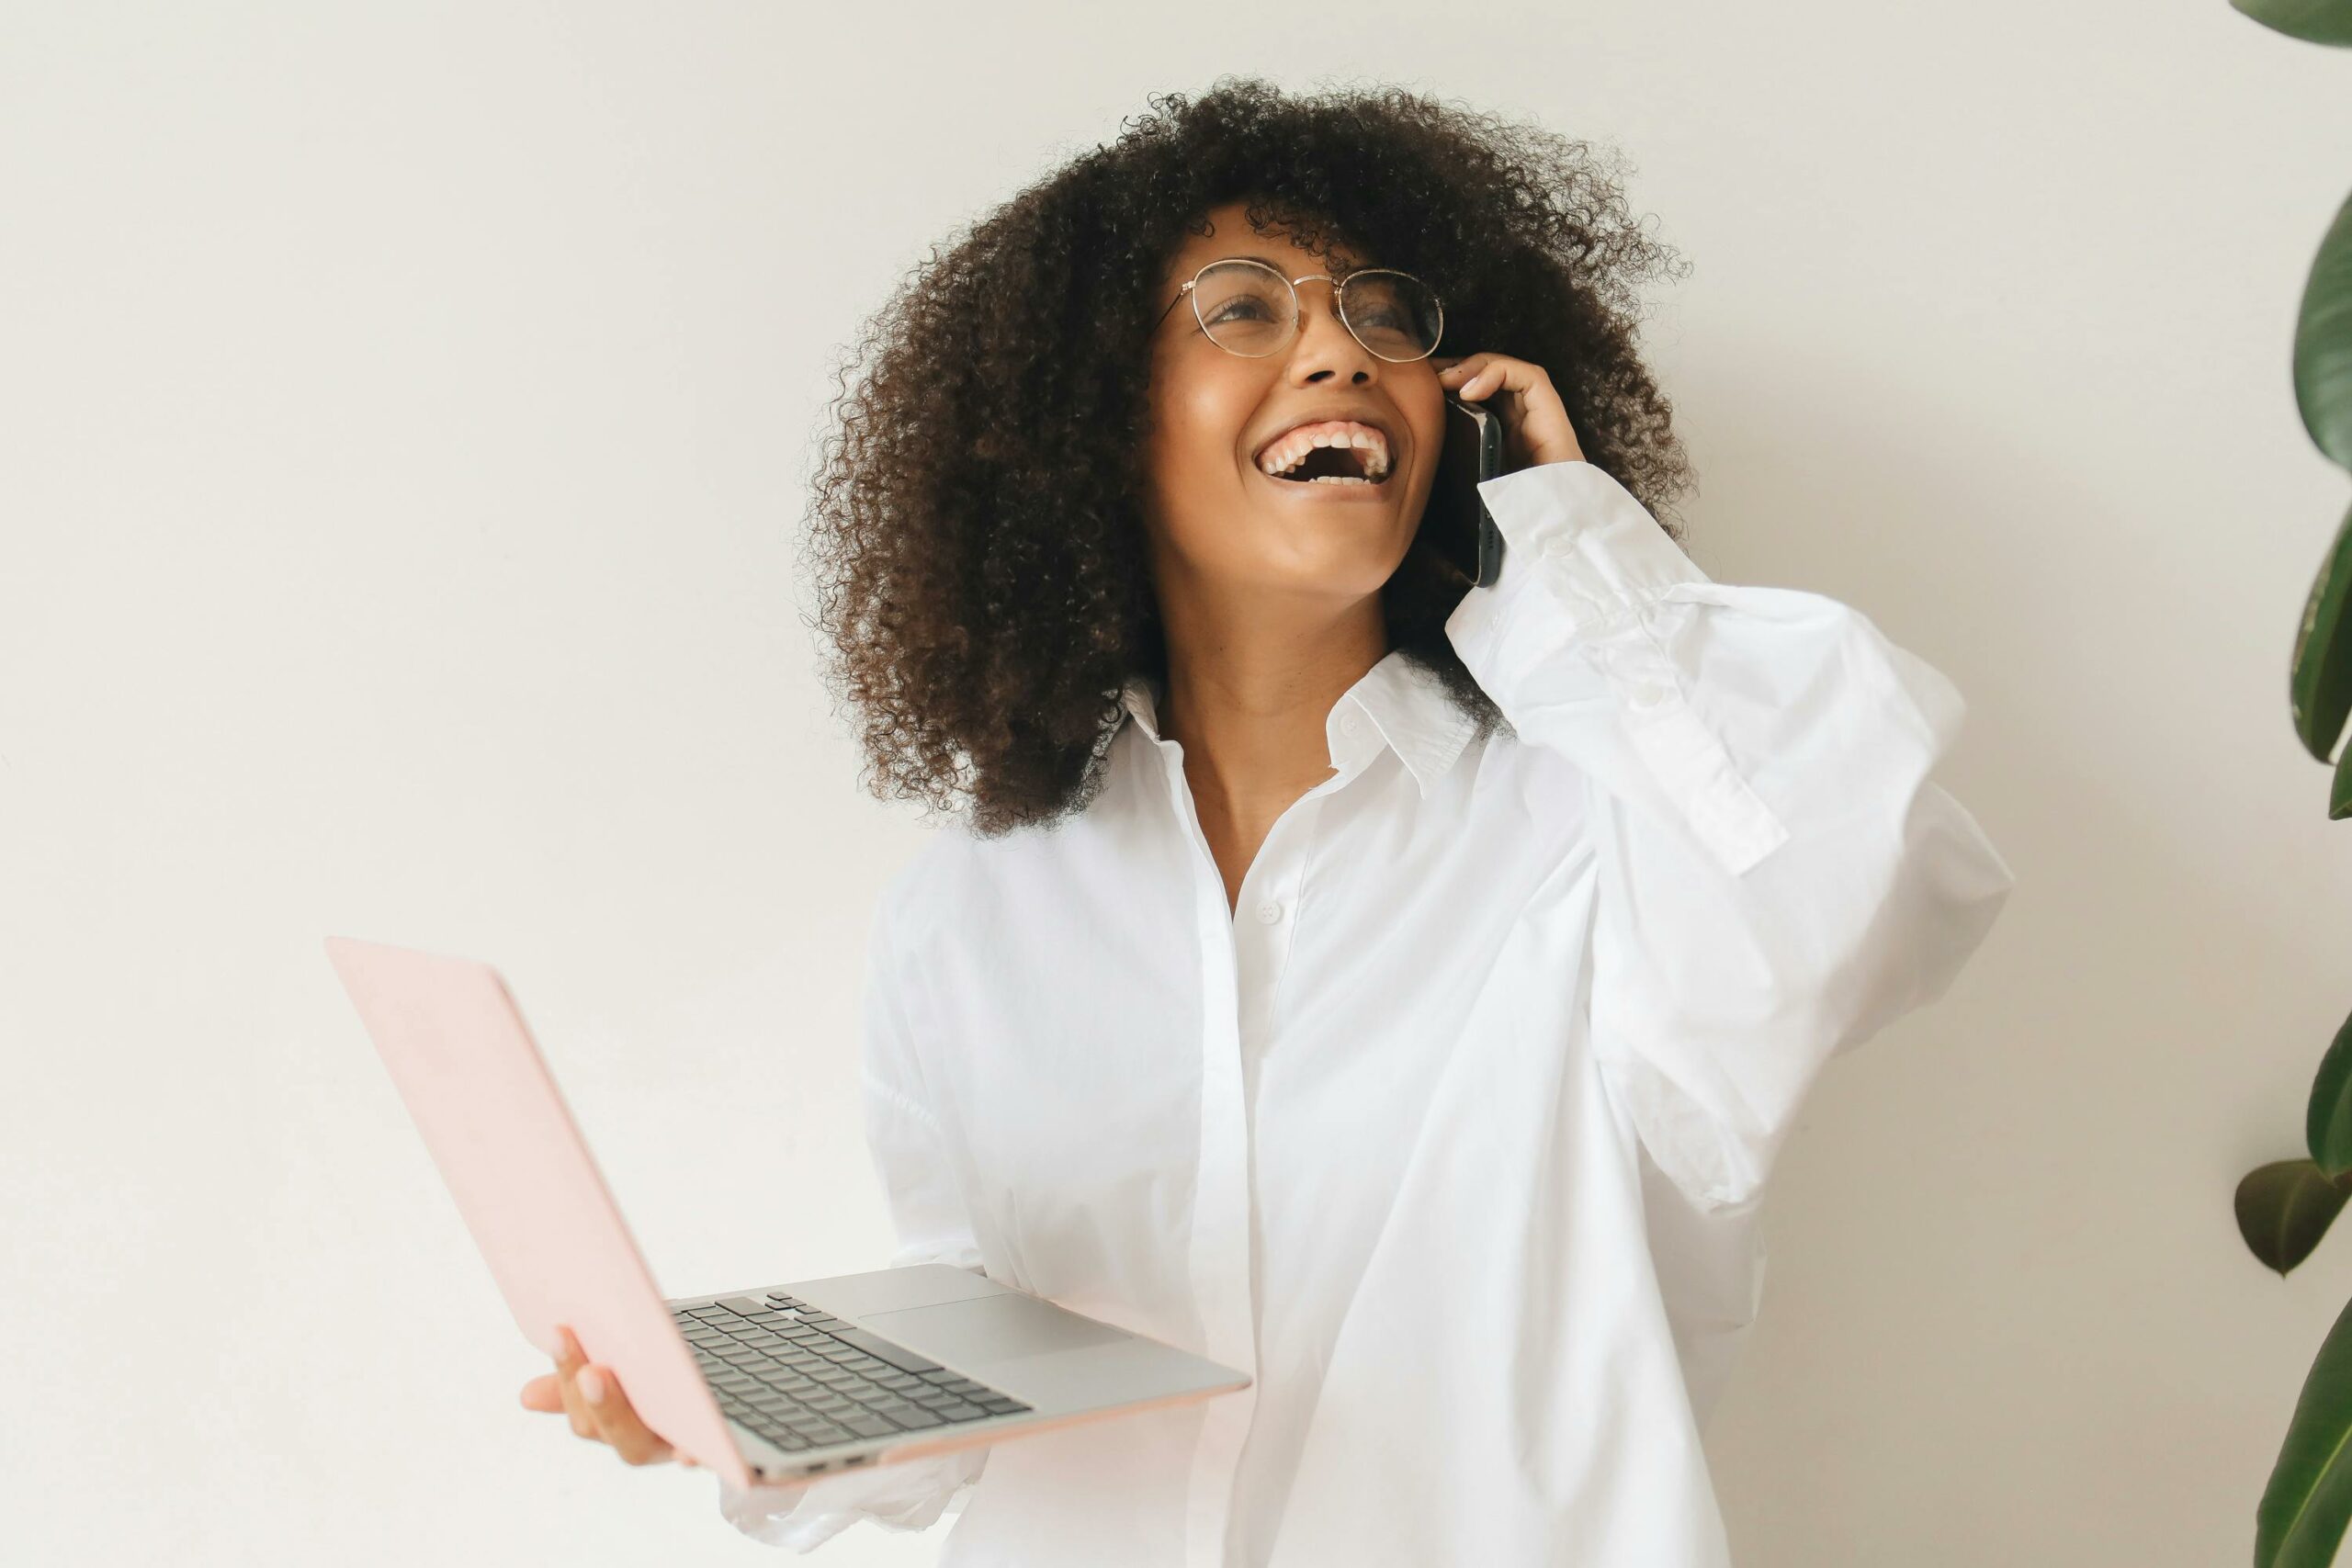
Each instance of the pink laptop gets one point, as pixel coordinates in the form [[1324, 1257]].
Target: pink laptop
[[770, 1384]]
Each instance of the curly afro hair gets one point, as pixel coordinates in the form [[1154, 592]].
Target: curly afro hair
[[977, 542]]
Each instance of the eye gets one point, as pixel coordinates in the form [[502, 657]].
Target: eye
[[1230, 310]]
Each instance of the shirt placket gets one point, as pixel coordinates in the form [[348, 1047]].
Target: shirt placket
[[1242, 954]]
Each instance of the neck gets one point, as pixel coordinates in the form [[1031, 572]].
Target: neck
[[1248, 698]]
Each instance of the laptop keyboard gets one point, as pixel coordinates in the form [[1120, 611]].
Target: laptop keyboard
[[804, 1380]]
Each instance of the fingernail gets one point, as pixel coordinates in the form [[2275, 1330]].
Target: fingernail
[[592, 1384]]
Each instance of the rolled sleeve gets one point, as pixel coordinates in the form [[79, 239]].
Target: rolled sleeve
[[1779, 876]]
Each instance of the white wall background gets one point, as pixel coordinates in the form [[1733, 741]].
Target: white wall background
[[403, 411]]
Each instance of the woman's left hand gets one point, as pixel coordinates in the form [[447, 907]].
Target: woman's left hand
[[1535, 423]]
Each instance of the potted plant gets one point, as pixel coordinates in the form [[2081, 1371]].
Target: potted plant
[[2285, 1207]]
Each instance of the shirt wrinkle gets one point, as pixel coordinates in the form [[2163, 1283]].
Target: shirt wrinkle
[[1454, 1133]]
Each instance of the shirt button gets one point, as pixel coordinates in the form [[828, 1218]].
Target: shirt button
[[1269, 911], [1648, 693], [1348, 724], [1559, 546]]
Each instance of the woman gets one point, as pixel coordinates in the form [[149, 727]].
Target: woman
[[1397, 989]]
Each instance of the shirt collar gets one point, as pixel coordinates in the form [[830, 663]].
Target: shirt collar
[[1399, 702]]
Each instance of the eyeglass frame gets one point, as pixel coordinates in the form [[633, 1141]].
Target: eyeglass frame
[[1298, 307]]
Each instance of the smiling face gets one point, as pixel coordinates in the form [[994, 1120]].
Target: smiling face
[[1223, 527]]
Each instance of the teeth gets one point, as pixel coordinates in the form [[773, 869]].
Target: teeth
[[1289, 452]]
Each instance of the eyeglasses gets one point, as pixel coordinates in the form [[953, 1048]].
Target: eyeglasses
[[1249, 308]]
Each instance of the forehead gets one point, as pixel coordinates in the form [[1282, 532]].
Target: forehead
[[1231, 235]]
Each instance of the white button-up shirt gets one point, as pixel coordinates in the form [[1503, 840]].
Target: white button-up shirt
[[1452, 1131]]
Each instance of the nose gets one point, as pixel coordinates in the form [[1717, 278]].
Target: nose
[[1324, 342]]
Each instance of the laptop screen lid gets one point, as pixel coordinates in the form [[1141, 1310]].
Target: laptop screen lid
[[479, 1091]]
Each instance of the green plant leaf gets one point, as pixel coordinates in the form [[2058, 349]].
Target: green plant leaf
[[2300, 1522], [2313, 21], [2323, 342], [2284, 1208], [2327, 1121], [2339, 793], [2319, 680]]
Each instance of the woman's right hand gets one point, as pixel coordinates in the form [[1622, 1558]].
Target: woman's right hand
[[591, 1397]]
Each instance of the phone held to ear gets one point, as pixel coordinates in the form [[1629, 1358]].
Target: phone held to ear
[[1457, 521]]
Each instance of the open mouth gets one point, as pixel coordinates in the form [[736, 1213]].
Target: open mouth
[[1338, 453], [1332, 466]]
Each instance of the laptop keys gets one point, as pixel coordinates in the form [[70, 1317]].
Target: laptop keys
[[802, 1378], [873, 1345], [909, 1417]]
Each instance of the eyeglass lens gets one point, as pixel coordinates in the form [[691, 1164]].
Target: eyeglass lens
[[1248, 308]]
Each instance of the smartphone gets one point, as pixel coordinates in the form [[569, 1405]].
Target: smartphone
[[1457, 521]]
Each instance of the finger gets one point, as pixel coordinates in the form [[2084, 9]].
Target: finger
[[1455, 371], [568, 1360], [617, 1419], [1484, 380], [541, 1393], [583, 1425]]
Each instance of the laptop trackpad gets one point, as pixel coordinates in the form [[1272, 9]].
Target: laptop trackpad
[[991, 1328]]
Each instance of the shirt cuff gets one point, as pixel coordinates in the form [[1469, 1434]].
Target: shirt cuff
[[1584, 566], [908, 1495], [1596, 549]]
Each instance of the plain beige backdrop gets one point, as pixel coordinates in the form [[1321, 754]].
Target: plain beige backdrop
[[404, 416]]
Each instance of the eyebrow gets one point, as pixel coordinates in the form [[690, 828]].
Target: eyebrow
[[1278, 267]]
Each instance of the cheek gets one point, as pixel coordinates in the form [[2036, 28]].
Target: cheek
[[1199, 413], [1423, 407]]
